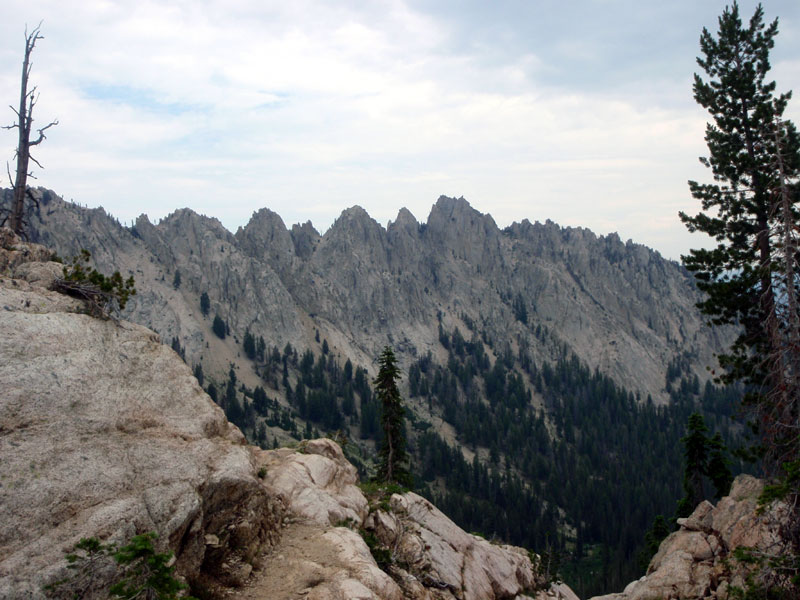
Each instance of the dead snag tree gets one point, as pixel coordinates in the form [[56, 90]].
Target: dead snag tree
[[27, 100]]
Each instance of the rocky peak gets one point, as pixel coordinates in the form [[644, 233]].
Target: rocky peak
[[405, 221], [354, 235], [305, 239], [355, 222], [457, 229], [458, 213], [266, 238], [370, 283], [192, 227]]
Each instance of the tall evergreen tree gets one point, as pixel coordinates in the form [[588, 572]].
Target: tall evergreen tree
[[751, 276], [205, 303], [717, 469], [695, 452], [393, 466], [705, 459], [249, 345], [219, 327]]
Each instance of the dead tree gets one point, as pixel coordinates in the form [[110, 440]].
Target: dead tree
[[27, 100]]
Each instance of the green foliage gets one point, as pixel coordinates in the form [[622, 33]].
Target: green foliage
[[198, 373], [103, 294], [520, 310], [381, 554], [658, 531], [147, 573], [393, 465], [751, 278], [141, 572], [784, 487], [205, 304], [718, 467], [219, 327], [88, 561], [379, 493], [548, 563], [249, 345], [598, 452], [737, 275], [704, 458], [771, 576]]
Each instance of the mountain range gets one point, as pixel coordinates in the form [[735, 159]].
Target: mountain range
[[548, 371], [619, 307]]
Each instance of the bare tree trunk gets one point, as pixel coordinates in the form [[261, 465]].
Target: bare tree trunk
[[785, 361], [27, 100]]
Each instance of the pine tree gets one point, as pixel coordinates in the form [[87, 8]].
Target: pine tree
[[393, 458], [205, 304], [717, 468], [705, 459], [751, 276], [219, 327], [695, 452], [249, 345]]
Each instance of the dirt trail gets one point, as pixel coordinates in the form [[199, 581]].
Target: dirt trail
[[301, 560]]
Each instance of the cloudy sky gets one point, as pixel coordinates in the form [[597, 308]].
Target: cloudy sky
[[579, 111]]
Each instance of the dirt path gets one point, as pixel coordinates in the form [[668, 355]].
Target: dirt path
[[302, 560]]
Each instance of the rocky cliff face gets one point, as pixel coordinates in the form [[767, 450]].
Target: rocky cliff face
[[105, 433], [620, 307]]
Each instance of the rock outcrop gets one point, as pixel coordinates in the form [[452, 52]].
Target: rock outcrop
[[104, 432], [435, 553], [317, 483], [697, 560], [324, 556]]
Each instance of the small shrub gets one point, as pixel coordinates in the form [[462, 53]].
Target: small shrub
[[87, 561], [348, 523], [382, 556], [103, 294], [147, 573], [141, 571]]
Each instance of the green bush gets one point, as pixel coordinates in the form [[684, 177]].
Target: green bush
[[103, 294], [141, 571]]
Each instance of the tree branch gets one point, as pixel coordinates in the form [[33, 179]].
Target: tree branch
[[30, 157], [41, 137]]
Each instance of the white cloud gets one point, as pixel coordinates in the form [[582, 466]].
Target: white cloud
[[309, 107]]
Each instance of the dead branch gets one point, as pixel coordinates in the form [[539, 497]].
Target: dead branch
[[42, 136], [100, 304]]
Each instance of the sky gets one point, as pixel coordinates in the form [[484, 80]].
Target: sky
[[577, 111]]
